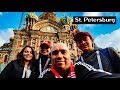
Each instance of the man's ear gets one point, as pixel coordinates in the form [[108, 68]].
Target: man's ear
[[92, 42], [76, 44]]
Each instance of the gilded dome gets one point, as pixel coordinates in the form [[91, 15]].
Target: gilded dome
[[63, 20], [32, 15], [70, 20], [12, 38]]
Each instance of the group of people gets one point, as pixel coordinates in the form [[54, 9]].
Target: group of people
[[55, 61], [26, 65]]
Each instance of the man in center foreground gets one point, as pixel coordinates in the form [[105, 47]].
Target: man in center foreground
[[62, 67]]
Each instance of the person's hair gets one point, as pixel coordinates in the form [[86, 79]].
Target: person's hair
[[20, 58], [78, 35]]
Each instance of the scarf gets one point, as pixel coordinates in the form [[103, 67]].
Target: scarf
[[26, 73], [70, 75]]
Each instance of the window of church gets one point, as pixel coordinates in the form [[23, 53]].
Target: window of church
[[25, 43], [70, 46], [6, 58], [0, 55]]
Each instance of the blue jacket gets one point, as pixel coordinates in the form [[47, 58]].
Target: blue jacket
[[91, 58]]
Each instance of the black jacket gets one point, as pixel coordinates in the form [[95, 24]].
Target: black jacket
[[91, 58], [83, 71], [14, 70], [44, 59]]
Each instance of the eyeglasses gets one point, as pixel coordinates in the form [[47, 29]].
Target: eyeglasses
[[55, 52]]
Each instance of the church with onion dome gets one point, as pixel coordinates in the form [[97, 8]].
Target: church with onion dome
[[45, 27]]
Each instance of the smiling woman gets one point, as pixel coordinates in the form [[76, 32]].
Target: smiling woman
[[22, 67]]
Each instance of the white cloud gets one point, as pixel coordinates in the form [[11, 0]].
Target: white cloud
[[90, 26], [1, 13], [109, 40], [1, 41], [117, 14], [92, 14], [5, 35]]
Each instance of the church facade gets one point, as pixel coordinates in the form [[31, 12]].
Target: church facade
[[46, 27]]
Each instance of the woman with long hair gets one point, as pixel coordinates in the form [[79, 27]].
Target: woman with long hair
[[22, 67]]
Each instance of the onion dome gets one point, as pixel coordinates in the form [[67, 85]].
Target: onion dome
[[32, 15], [63, 20], [11, 38], [70, 20]]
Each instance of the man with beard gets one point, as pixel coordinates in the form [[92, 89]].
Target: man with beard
[[106, 59], [43, 61]]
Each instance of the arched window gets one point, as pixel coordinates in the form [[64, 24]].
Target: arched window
[[70, 46], [6, 58], [0, 55], [25, 43]]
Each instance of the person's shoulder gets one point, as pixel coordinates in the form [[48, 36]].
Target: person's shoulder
[[110, 48], [80, 66], [12, 62]]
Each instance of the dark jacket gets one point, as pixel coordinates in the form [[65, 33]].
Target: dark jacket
[[14, 70], [91, 58], [43, 59], [83, 71]]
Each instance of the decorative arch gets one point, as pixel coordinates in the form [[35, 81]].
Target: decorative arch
[[44, 23]]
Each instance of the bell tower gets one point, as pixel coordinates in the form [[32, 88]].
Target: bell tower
[[31, 19]]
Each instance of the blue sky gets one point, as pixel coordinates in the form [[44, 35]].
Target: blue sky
[[105, 35]]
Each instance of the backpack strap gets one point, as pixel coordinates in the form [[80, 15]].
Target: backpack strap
[[99, 60], [106, 54], [80, 59]]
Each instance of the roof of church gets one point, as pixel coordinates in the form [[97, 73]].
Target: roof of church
[[5, 47], [49, 15]]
